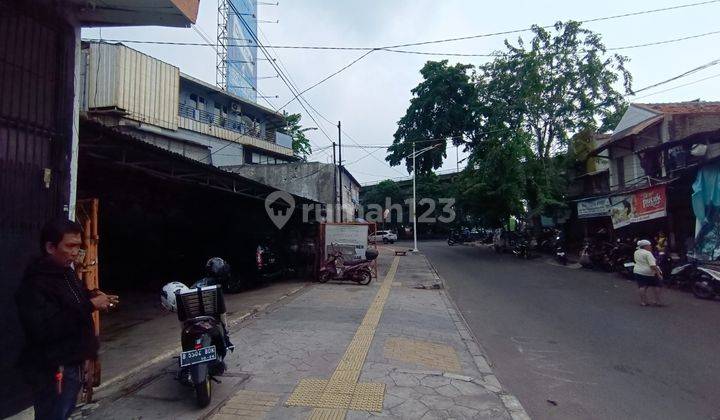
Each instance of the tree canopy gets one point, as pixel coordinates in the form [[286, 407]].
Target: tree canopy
[[300, 143], [516, 116], [442, 107]]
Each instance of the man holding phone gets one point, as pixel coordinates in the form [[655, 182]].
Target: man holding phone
[[55, 310]]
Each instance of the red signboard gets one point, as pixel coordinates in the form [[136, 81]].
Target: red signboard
[[646, 204], [649, 201]]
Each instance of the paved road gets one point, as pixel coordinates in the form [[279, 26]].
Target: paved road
[[579, 338]]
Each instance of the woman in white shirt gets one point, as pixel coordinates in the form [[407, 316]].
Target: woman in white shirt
[[647, 273]]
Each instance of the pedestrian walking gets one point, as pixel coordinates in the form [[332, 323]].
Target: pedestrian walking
[[55, 311], [647, 273]]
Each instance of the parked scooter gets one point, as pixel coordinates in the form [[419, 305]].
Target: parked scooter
[[702, 279], [523, 247], [204, 337], [336, 268], [707, 284]]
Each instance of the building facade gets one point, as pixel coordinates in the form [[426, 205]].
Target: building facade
[[155, 102], [655, 155]]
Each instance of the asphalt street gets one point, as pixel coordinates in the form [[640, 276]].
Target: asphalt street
[[573, 343]]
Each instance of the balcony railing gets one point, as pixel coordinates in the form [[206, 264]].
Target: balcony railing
[[218, 120]]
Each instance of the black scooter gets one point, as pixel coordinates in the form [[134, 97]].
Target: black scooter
[[204, 337]]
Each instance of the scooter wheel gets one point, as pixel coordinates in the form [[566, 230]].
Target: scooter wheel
[[203, 392], [701, 290], [365, 278], [324, 277]]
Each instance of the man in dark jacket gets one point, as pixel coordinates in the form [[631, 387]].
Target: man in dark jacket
[[55, 310]]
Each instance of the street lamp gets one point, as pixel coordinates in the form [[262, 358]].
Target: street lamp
[[415, 154]]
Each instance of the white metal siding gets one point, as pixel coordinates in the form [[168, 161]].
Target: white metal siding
[[144, 87]]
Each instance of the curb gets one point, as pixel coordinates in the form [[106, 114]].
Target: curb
[[489, 381], [232, 322]]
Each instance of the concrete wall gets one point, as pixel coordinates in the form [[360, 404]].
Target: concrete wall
[[312, 180]]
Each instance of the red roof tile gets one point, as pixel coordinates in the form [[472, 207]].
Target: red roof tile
[[694, 107]]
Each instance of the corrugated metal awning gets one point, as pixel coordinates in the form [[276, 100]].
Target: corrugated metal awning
[[101, 142]]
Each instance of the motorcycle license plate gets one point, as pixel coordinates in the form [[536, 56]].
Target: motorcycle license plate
[[193, 357], [628, 265], [561, 254]]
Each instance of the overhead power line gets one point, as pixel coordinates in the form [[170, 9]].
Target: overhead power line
[[462, 38], [328, 77], [279, 71], [429, 53], [679, 76], [679, 86]]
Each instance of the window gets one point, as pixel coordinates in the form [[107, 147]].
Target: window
[[620, 171], [193, 100], [255, 158]]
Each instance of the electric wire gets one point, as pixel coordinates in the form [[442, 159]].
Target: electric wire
[[681, 75], [679, 86]]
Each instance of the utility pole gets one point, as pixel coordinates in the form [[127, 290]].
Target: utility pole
[[457, 160], [335, 198], [340, 168]]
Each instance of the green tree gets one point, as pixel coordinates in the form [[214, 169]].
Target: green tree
[[300, 143], [542, 93], [556, 85], [442, 107], [384, 194], [492, 187]]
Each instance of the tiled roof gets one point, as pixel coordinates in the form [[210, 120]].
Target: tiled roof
[[693, 107]]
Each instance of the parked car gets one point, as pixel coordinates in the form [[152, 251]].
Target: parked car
[[386, 236]]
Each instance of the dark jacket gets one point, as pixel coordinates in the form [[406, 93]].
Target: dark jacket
[[56, 315]]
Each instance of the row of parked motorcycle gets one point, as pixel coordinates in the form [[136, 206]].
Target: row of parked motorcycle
[[689, 274], [525, 244]]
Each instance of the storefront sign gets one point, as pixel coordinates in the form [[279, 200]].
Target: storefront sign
[[594, 207], [647, 204]]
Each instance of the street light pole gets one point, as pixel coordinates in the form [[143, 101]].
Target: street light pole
[[414, 208], [414, 215]]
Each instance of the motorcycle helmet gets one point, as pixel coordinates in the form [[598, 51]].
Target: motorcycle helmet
[[217, 267], [167, 295]]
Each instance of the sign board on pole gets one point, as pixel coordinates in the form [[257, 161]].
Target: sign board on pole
[[350, 239]]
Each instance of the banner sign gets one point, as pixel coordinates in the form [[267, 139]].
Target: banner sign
[[594, 207], [647, 204]]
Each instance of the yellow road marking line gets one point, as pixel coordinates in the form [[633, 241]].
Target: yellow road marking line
[[332, 398]]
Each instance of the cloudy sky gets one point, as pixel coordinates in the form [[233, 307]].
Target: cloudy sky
[[371, 96]]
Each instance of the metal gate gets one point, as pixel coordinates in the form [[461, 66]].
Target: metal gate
[[36, 103]]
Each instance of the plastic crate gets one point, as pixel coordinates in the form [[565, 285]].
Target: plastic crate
[[201, 301]]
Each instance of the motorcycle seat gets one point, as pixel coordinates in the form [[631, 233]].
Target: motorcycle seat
[[353, 262]]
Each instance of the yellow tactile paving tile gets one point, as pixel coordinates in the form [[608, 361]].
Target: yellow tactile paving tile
[[247, 404], [327, 414], [424, 353], [332, 398]]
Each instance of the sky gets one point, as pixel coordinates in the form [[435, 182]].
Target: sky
[[373, 94]]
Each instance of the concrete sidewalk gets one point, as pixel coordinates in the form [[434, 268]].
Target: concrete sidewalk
[[147, 334], [341, 350]]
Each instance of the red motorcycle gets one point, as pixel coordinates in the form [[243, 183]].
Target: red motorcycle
[[336, 268]]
